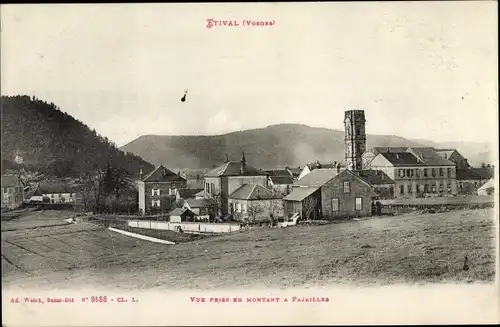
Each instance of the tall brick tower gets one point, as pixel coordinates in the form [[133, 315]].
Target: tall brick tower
[[355, 138]]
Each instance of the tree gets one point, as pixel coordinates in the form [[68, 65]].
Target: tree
[[309, 205], [253, 210], [214, 205], [92, 190]]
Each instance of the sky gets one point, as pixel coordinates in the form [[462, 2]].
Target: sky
[[421, 70]]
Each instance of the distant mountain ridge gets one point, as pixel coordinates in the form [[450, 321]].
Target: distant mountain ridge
[[273, 146], [55, 143]]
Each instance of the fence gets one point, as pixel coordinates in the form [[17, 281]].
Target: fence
[[185, 226], [457, 200]]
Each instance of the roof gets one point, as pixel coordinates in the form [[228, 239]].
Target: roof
[[294, 171], [252, 192], [430, 157], [381, 149], [181, 212], [317, 178], [10, 181], [201, 193], [447, 152], [278, 172], [300, 193], [188, 192], [374, 177], [162, 174], [318, 165], [232, 168], [489, 184], [281, 180], [54, 187], [197, 203], [401, 158]]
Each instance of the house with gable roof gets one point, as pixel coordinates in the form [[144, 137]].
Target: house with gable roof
[[223, 180], [12, 191], [334, 193], [259, 199], [158, 190]]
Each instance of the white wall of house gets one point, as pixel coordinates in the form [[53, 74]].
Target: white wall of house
[[304, 172], [142, 197]]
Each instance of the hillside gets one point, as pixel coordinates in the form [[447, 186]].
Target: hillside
[[273, 146], [55, 143]]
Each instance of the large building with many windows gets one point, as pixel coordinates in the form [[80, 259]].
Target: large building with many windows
[[417, 172]]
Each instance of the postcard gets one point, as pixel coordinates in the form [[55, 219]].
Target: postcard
[[249, 163]]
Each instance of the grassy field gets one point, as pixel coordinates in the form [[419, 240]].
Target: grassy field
[[31, 218], [412, 248]]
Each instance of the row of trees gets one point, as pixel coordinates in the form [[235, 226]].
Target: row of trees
[[108, 189]]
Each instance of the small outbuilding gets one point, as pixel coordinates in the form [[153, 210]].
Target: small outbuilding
[[180, 215]]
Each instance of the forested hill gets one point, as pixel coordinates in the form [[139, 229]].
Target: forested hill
[[55, 143]]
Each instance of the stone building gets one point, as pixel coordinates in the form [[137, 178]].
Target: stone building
[[328, 193], [355, 138], [158, 190], [222, 181]]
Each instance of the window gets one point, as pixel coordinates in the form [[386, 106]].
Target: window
[[243, 208], [335, 204], [401, 173], [441, 172], [426, 188], [212, 188], [206, 188], [448, 173], [238, 207], [448, 188], [347, 187], [155, 203], [171, 191], [402, 189], [460, 185], [418, 172], [417, 188], [408, 172], [433, 188], [155, 192], [409, 188], [359, 204], [440, 187], [433, 172], [425, 172]]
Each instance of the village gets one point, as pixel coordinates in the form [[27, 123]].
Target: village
[[362, 184]]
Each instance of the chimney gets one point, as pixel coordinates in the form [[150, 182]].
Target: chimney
[[140, 173], [243, 164], [227, 158], [338, 168], [397, 155]]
